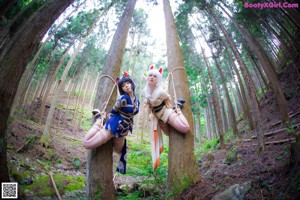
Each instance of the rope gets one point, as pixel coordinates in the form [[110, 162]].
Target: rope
[[171, 75], [103, 113]]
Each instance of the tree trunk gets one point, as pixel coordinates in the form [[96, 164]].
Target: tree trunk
[[213, 130], [232, 118], [215, 99], [200, 128], [182, 167], [99, 161], [21, 45], [94, 89]]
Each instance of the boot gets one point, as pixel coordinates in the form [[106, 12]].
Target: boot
[[98, 117], [96, 113], [180, 103]]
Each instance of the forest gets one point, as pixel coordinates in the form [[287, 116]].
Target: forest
[[236, 63]]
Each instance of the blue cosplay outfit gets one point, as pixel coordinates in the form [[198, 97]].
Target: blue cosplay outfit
[[121, 115], [121, 121]]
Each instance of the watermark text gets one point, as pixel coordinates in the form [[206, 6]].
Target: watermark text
[[271, 5]]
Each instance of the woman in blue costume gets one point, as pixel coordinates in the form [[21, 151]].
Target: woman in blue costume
[[119, 123]]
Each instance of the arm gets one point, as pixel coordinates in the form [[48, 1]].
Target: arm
[[121, 102], [166, 98]]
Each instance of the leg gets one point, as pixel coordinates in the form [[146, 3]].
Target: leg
[[93, 130], [118, 144], [178, 121], [96, 139], [164, 127]]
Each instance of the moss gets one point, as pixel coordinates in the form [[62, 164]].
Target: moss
[[20, 176], [43, 185], [179, 187], [74, 183], [76, 163]]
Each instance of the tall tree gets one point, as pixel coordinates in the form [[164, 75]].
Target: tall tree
[[99, 162], [21, 44], [182, 169], [237, 56], [215, 100], [268, 67]]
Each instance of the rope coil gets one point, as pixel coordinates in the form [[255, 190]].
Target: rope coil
[[103, 113]]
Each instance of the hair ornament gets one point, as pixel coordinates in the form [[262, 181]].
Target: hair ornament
[[125, 74]]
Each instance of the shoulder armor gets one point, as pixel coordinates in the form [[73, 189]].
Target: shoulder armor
[[123, 102]]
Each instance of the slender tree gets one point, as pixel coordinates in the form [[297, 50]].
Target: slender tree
[[182, 164]]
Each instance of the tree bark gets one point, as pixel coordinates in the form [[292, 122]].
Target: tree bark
[[182, 169], [21, 45], [99, 161]]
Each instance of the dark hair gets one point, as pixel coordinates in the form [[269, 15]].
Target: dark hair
[[123, 80]]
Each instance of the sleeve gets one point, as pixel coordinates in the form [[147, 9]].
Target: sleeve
[[166, 97], [121, 102], [138, 107]]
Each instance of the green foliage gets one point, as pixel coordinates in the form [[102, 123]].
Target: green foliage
[[229, 137], [211, 144], [86, 122], [291, 129], [261, 92], [76, 163], [206, 147], [30, 139], [20, 176], [231, 156], [139, 163], [132, 196]]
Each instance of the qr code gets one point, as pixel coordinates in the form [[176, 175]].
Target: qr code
[[9, 191]]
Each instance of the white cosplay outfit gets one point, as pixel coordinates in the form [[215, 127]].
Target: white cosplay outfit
[[157, 103]]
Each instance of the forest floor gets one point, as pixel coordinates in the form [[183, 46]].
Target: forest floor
[[273, 174]]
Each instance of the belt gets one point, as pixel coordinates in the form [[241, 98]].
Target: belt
[[158, 108]]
